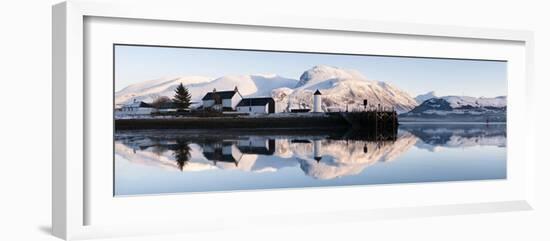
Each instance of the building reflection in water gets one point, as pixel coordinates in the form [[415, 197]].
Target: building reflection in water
[[318, 155]]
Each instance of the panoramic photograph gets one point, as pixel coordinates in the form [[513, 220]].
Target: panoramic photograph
[[193, 120]]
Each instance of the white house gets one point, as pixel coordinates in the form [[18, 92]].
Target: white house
[[257, 105], [137, 108], [222, 100]]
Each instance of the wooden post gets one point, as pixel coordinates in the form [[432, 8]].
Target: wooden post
[[376, 123], [394, 115]]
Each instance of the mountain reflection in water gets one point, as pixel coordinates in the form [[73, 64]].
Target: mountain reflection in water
[[323, 156]]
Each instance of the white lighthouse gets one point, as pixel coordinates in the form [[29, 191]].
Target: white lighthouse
[[317, 101]]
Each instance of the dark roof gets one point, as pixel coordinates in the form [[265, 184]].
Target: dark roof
[[143, 104], [138, 104], [300, 110], [221, 94], [168, 105], [256, 101], [317, 92], [262, 150], [218, 156]]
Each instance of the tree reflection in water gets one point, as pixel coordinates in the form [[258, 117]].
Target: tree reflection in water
[[256, 159], [322, 155], [182, 152]]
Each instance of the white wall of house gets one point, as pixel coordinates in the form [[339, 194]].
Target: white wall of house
[[228, 103], [254, 142], [236, 153], [167, 110], [233, 102], [227, 149], [253, 109], [136, 110], [207, 103], [144, 111], [207, 148]]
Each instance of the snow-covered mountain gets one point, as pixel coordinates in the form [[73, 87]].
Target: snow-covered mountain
[[421, 98], [149, 90], [339, 87], [459, 108], [248, 85], [469, 102]]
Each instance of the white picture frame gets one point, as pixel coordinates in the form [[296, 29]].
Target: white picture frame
[[71, 189]]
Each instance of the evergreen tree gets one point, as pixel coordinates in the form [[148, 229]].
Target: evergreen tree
[[182, 98]]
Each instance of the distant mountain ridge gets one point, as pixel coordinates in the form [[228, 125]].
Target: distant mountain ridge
[[341, 89], [421, 98], [459, 108]]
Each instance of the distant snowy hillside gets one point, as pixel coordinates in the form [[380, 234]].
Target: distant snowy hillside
[[467, 102], [459, 108], [421, 98], [320, 76], [151, 89], [341, 87], [248, 85]]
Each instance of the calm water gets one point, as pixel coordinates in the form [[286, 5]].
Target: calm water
[[154, 162]]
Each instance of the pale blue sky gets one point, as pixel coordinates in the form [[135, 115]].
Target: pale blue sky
[[134, 64]]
